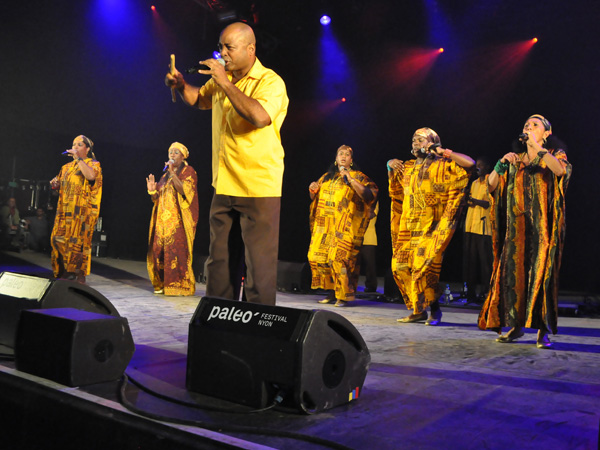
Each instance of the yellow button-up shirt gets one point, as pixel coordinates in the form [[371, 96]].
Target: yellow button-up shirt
[[248, 161], [371, 234], [478, 217]]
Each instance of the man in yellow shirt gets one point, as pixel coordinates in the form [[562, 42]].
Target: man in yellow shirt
[[478, 255], [249, 103]]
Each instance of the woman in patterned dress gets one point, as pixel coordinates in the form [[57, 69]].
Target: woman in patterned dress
[[80, 191], [527, 195], [426, 195], [342, 200], [173, 225]]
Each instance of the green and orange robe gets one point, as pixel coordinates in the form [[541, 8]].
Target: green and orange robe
[[339, 218], [425, 208], [528, 231], [172, 232], [77, 211]]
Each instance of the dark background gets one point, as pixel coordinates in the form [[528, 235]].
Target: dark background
[[96, 67]]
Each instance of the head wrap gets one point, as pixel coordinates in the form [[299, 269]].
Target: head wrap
[[89, 144], [182, 148], [346, 147], [429, 134], [544, 121], [87, 141]]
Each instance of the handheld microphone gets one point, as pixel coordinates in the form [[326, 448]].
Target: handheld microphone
[[167, 165], [431, 153], [66, 152], [523, 137], [425, 151], [198, 67], [344, 176]]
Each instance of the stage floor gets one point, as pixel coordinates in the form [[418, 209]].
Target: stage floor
[[450, 386]]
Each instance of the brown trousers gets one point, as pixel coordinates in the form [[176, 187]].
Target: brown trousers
[[244, 239]]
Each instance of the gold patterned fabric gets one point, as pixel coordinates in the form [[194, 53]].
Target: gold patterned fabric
[[77, 211], [172, 232], [478, 217], [528, 230], [425, 209], [338, 221]]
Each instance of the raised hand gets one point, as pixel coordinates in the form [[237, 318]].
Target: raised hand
[[151, 183]]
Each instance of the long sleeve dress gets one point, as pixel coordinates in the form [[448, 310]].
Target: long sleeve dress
[[338, 220], [425, 207], [528, 230]]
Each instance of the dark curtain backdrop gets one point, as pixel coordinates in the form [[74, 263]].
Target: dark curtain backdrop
[[96, 67]]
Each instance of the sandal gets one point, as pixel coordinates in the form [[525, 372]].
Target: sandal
[[414, 318]]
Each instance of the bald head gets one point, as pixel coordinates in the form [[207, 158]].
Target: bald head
[[237, 45], [239, 32]]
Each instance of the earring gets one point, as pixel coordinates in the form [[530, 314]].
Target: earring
[[351, 164], [335, 163]]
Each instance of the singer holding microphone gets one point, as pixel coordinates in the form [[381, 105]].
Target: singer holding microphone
[[426, 196], [80, 191], [527, 198], [340, 212], [249, 104], [173, 225]]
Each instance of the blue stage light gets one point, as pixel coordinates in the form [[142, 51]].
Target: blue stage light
[[325, 20]]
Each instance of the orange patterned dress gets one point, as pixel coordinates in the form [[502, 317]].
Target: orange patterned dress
[[77, 211], [425, 207], [171, 237], [528, 230], [338, 220]]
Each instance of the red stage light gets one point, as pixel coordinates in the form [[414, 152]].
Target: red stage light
[[153, 8], [534, 40], [411, 66], [441, 50], [343, 99]]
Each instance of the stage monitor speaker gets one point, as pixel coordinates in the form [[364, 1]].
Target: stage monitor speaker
[[19, 292], [73, 347], [250, 354], [293, 277]]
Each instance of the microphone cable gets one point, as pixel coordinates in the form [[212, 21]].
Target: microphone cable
[[218, 427]]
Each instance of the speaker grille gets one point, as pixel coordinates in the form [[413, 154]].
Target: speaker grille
[[334, 369]]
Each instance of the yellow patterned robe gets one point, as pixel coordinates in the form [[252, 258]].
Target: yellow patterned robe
[[77, 211], [171, 237], [338, 221], [425, 209]]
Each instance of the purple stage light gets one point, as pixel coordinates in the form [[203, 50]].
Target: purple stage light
[[325, 20]]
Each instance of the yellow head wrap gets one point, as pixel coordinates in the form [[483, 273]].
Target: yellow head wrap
[[182, 148]]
